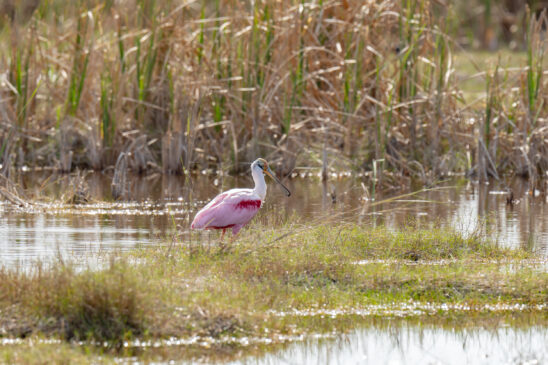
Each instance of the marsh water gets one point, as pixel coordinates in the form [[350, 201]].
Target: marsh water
[[417, 345], [157, 210]]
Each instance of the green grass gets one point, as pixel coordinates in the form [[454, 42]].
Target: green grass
[[201, 290], [471, 68], [43, 353]]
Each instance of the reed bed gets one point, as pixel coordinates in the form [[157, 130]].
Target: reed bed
[[337, 85]]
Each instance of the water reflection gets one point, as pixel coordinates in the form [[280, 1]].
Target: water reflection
[[416, 345], [161, 206]]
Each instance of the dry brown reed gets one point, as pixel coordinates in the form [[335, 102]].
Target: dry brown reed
[[332, 84]]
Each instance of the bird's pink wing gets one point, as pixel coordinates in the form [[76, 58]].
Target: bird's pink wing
[[206, 213], [230, 209]]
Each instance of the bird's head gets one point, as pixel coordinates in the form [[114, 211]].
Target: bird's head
[[261, 165]]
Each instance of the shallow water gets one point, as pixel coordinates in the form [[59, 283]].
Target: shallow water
[[416, 345], [158, 209]]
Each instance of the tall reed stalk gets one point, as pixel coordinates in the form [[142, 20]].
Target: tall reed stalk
[[225, 81]]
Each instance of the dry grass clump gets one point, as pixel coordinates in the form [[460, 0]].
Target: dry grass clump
[[512, 129], [179, 86], [105, 305]]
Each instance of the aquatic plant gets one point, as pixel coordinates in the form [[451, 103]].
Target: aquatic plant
[[179, 87]]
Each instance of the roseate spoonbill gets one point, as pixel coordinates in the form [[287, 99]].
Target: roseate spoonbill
[[235, 208]]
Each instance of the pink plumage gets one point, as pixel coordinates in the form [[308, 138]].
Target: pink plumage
[[231, 209], [235, 208]]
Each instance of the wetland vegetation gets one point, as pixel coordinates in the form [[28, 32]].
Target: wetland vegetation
[[400, 93], [334, 85], [274, 284]]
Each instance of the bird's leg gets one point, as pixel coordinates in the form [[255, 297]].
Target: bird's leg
[[221, 243], [226, 248]]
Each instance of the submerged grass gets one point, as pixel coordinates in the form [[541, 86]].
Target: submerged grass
[[198, 289], [33, 351]]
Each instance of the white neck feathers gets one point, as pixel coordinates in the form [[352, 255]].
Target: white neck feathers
[[260, 184]]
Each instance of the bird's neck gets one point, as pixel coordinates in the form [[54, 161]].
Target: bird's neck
[[260, 184]]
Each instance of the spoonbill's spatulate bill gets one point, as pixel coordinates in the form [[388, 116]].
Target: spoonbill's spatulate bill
[[236, 207]]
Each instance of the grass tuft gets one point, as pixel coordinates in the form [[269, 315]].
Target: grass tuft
[[105, 305]]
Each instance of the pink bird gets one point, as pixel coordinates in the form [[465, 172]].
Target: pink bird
[[236, 207]]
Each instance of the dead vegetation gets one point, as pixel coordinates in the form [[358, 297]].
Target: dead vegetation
[[327, 84]]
